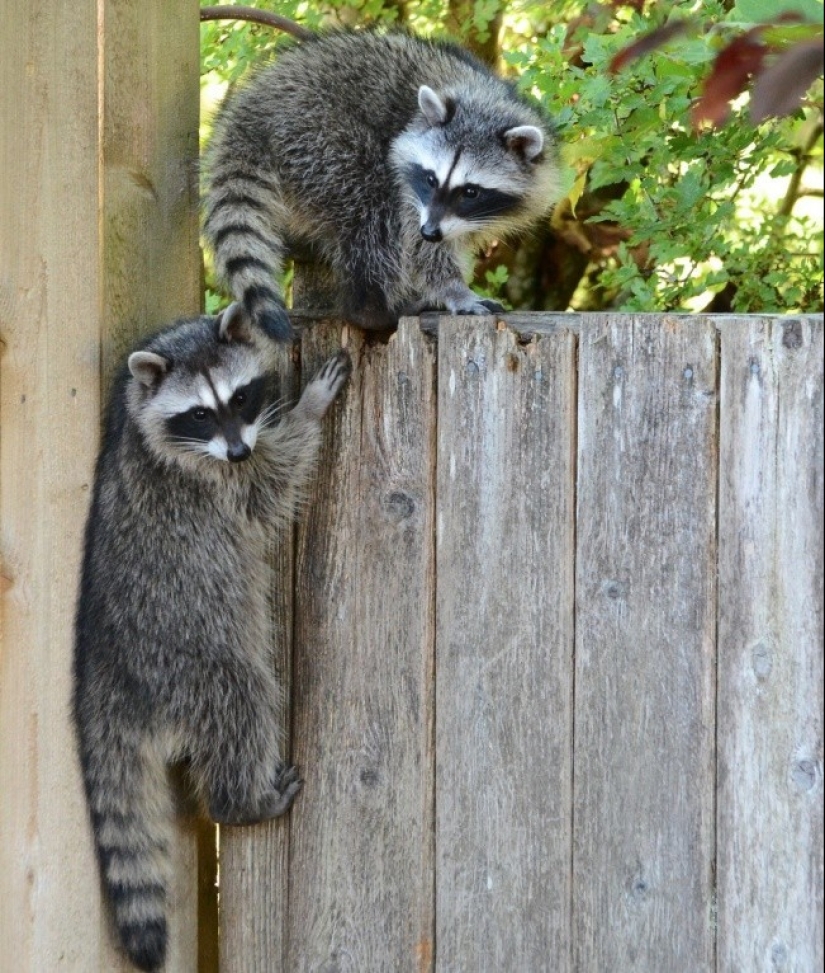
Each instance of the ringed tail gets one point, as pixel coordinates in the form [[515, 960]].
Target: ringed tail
[[132, 831], [238, 223]]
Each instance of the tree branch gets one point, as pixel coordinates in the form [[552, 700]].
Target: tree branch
[[803, 157], [255, 16]]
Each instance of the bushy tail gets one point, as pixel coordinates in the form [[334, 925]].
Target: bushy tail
[[241, 216], [131, 816]]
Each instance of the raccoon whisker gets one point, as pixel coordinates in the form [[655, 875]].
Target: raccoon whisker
[[270, 415], [191, 445], [273, 411]]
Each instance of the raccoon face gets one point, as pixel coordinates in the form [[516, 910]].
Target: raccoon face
[[465, 178], [203, 394], [219, 418]]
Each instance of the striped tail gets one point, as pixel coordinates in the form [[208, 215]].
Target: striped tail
[[131, 818], [240, 219]]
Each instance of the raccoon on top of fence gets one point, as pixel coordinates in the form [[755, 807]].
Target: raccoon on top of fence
[[388, 156]]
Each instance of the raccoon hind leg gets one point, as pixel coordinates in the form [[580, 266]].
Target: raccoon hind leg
[[226, 808], [234, 759], [366, 307]]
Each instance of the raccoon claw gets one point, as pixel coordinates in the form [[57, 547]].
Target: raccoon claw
[[286, 785], [285, 774], [486, 307], [493, 306], [321, 391]]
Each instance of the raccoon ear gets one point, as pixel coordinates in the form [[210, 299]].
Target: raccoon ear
[[527, 140], [234, 324], [147, 367], [436, 110]]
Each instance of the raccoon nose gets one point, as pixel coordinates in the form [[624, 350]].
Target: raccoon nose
[[432, 234], [237, 452]]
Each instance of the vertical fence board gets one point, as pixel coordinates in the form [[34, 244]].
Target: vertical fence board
[[60, 299], [150, 256], [361, 831], [504, 641], [254, 860], [770, 871], [645, 629], [49, 385]]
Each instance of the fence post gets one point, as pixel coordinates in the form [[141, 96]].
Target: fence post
[[99, 245]]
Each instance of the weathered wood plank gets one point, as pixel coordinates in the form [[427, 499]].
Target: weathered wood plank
[[151, 259], [151, 269], [504, 642], [49, 402], [361, 831], [55, 220], [254, 860], [645, 635], [770, 821]]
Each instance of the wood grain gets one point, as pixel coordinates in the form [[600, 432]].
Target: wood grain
[[49, 405], [504, 642], [70, 266], [150, 264], [770, 821], [645, 639], [149, 145], [254, 861], [361, 831]]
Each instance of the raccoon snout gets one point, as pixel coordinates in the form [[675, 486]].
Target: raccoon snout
[[432, 233], [237, 452]]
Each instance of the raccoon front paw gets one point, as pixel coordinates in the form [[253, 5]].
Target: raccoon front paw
[[481, 306], [321, 391]]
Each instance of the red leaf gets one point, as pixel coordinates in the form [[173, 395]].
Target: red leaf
[[646, 44], [734, 65], [635, 4], [779, 89]]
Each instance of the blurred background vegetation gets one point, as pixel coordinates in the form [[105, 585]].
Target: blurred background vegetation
[[657, 214]]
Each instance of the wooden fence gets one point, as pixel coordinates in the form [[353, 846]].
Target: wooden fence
[[553, 620], [557, 657]]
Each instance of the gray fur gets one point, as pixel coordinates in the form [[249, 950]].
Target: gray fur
[[319, 152], [173, 655]]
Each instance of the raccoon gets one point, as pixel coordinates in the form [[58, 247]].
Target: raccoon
[[390, 157], [172, 656]]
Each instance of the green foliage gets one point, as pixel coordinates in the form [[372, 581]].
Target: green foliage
[[669, 218]]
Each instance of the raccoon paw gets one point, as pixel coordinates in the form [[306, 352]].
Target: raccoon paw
[[493, 306], [481, 306], [321, 391], [285, 786]]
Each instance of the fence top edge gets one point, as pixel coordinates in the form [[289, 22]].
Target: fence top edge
[[528, 323]]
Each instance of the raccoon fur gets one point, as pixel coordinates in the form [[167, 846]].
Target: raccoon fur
[[390, 157], [173, 642]]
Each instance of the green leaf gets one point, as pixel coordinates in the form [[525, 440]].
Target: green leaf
[[769, 11]]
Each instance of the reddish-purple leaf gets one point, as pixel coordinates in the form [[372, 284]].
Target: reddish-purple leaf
[[635, 4], [779, 89], [734, 65], [646, 44]]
